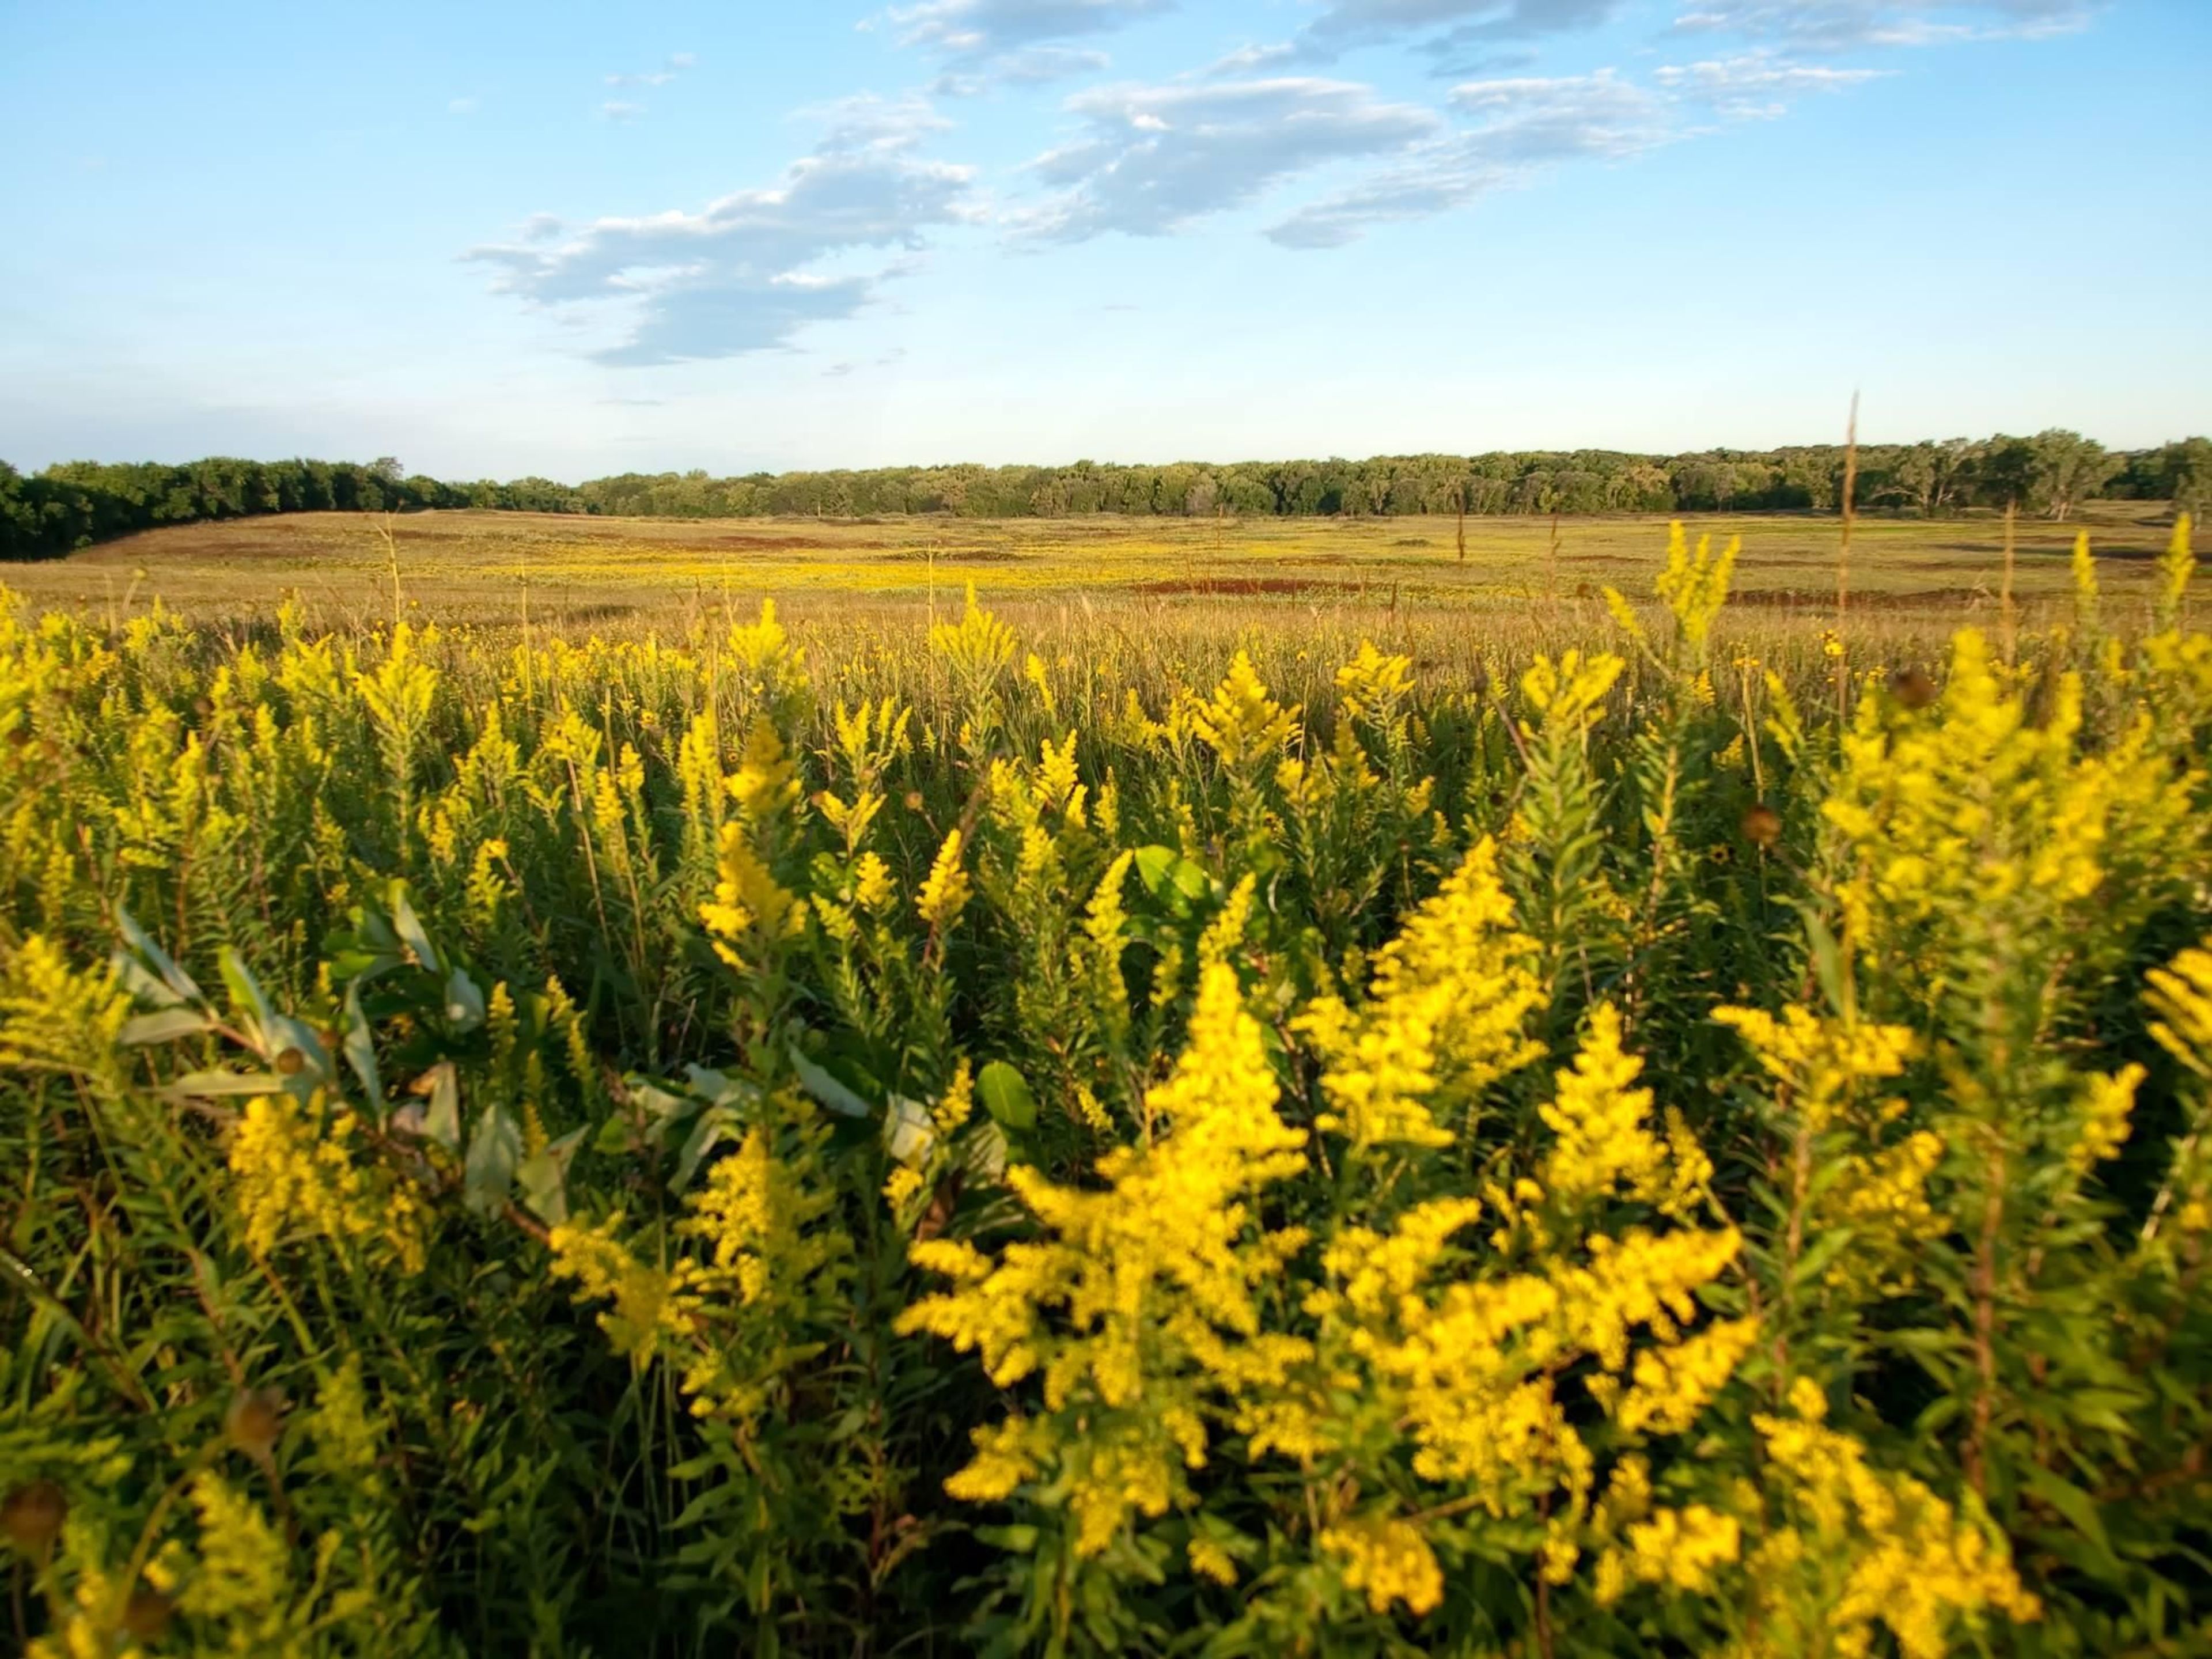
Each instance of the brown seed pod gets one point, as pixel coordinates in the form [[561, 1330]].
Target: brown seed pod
[[146, 1615], [1912, 688], [291, 1063], [31, 1515], [914, 800], [1762, 824], [254, 1420]]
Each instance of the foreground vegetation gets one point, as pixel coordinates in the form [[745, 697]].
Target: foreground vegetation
[[79, 503], [916, 1138]]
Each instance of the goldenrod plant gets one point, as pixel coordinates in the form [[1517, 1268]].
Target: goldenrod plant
[[922, 1141]]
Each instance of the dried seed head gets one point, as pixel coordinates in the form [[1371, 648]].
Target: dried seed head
[[203, 708], [146, 1615], [1762, 824], [1912, 688], [254, 1420], [32, 1514], [914, 800], [291, 1063]]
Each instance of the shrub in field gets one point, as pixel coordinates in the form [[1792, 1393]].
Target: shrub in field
[[864, 1144]]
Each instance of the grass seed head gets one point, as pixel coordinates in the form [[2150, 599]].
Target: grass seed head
[[31, 1515], [255, 1421]]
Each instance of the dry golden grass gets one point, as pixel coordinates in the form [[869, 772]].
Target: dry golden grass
[[1398, 578]]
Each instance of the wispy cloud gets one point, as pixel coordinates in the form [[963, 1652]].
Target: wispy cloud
[[616, 110], [1521, 126], [1851, 25], [740, 275], [461, 107], [1154, 158], [979, 42], [1753, 85], [671, 66], [1457, 34]]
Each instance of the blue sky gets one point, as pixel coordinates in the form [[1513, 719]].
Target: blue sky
[[573, 240]]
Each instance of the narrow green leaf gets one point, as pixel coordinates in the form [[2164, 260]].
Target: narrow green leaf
[[165, 1025], [826, 1088]]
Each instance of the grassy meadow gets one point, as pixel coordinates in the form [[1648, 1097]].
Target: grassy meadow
[[600, 1087], [619, 576]]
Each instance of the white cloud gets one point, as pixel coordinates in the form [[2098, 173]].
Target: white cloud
[[1849, 24], [981, 42], [1153, 158], [1522, 125], [1460, 35], [461, 107], [616, 110], [738, 276], [1752, 86]]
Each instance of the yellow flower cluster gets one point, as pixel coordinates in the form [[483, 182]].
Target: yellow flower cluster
[[1446, 1016], [945, 890], [293, 1170], [1242, 722], [1602, 1145], [1859, 1546], [733, 1314], [1139, 1305], [1970, 832], [1389, 1559], [750, 908], [1872, 1179]]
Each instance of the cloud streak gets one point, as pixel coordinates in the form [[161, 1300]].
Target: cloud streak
[[741, 274], [1024, 42], [1833, 26], [1155, 158], [1520, 126]]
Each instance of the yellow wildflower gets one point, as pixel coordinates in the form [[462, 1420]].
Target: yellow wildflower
[[1389, 1559], [945, 892]]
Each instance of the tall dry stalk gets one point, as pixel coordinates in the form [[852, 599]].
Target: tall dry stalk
[[2011, 621], [1844, 559]]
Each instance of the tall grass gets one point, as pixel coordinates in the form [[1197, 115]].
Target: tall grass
[[1108, 1129]]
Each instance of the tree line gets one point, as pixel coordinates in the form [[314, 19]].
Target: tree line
[[2050, 473]]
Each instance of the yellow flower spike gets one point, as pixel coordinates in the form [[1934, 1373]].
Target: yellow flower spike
[[1242, 722], [945, 891], [1445, 1017]]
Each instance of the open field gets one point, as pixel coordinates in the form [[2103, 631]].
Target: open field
[[616, 575], [1250, 1091]]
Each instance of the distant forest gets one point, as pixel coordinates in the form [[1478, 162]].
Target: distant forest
[[80, 502]]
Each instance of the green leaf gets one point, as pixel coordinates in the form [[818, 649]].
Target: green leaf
[[244, 989], [464, 1003], [206, 1084], [360, 1046], [1826, 1249], [441, 1124], [1153, 863], [494, 1150], [826, 1088], [542, 1178], [174, 979], [1005, 1096], [1829, 966], [2071, 1502], [715, 1125], [165, 1025], [408, 926]]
